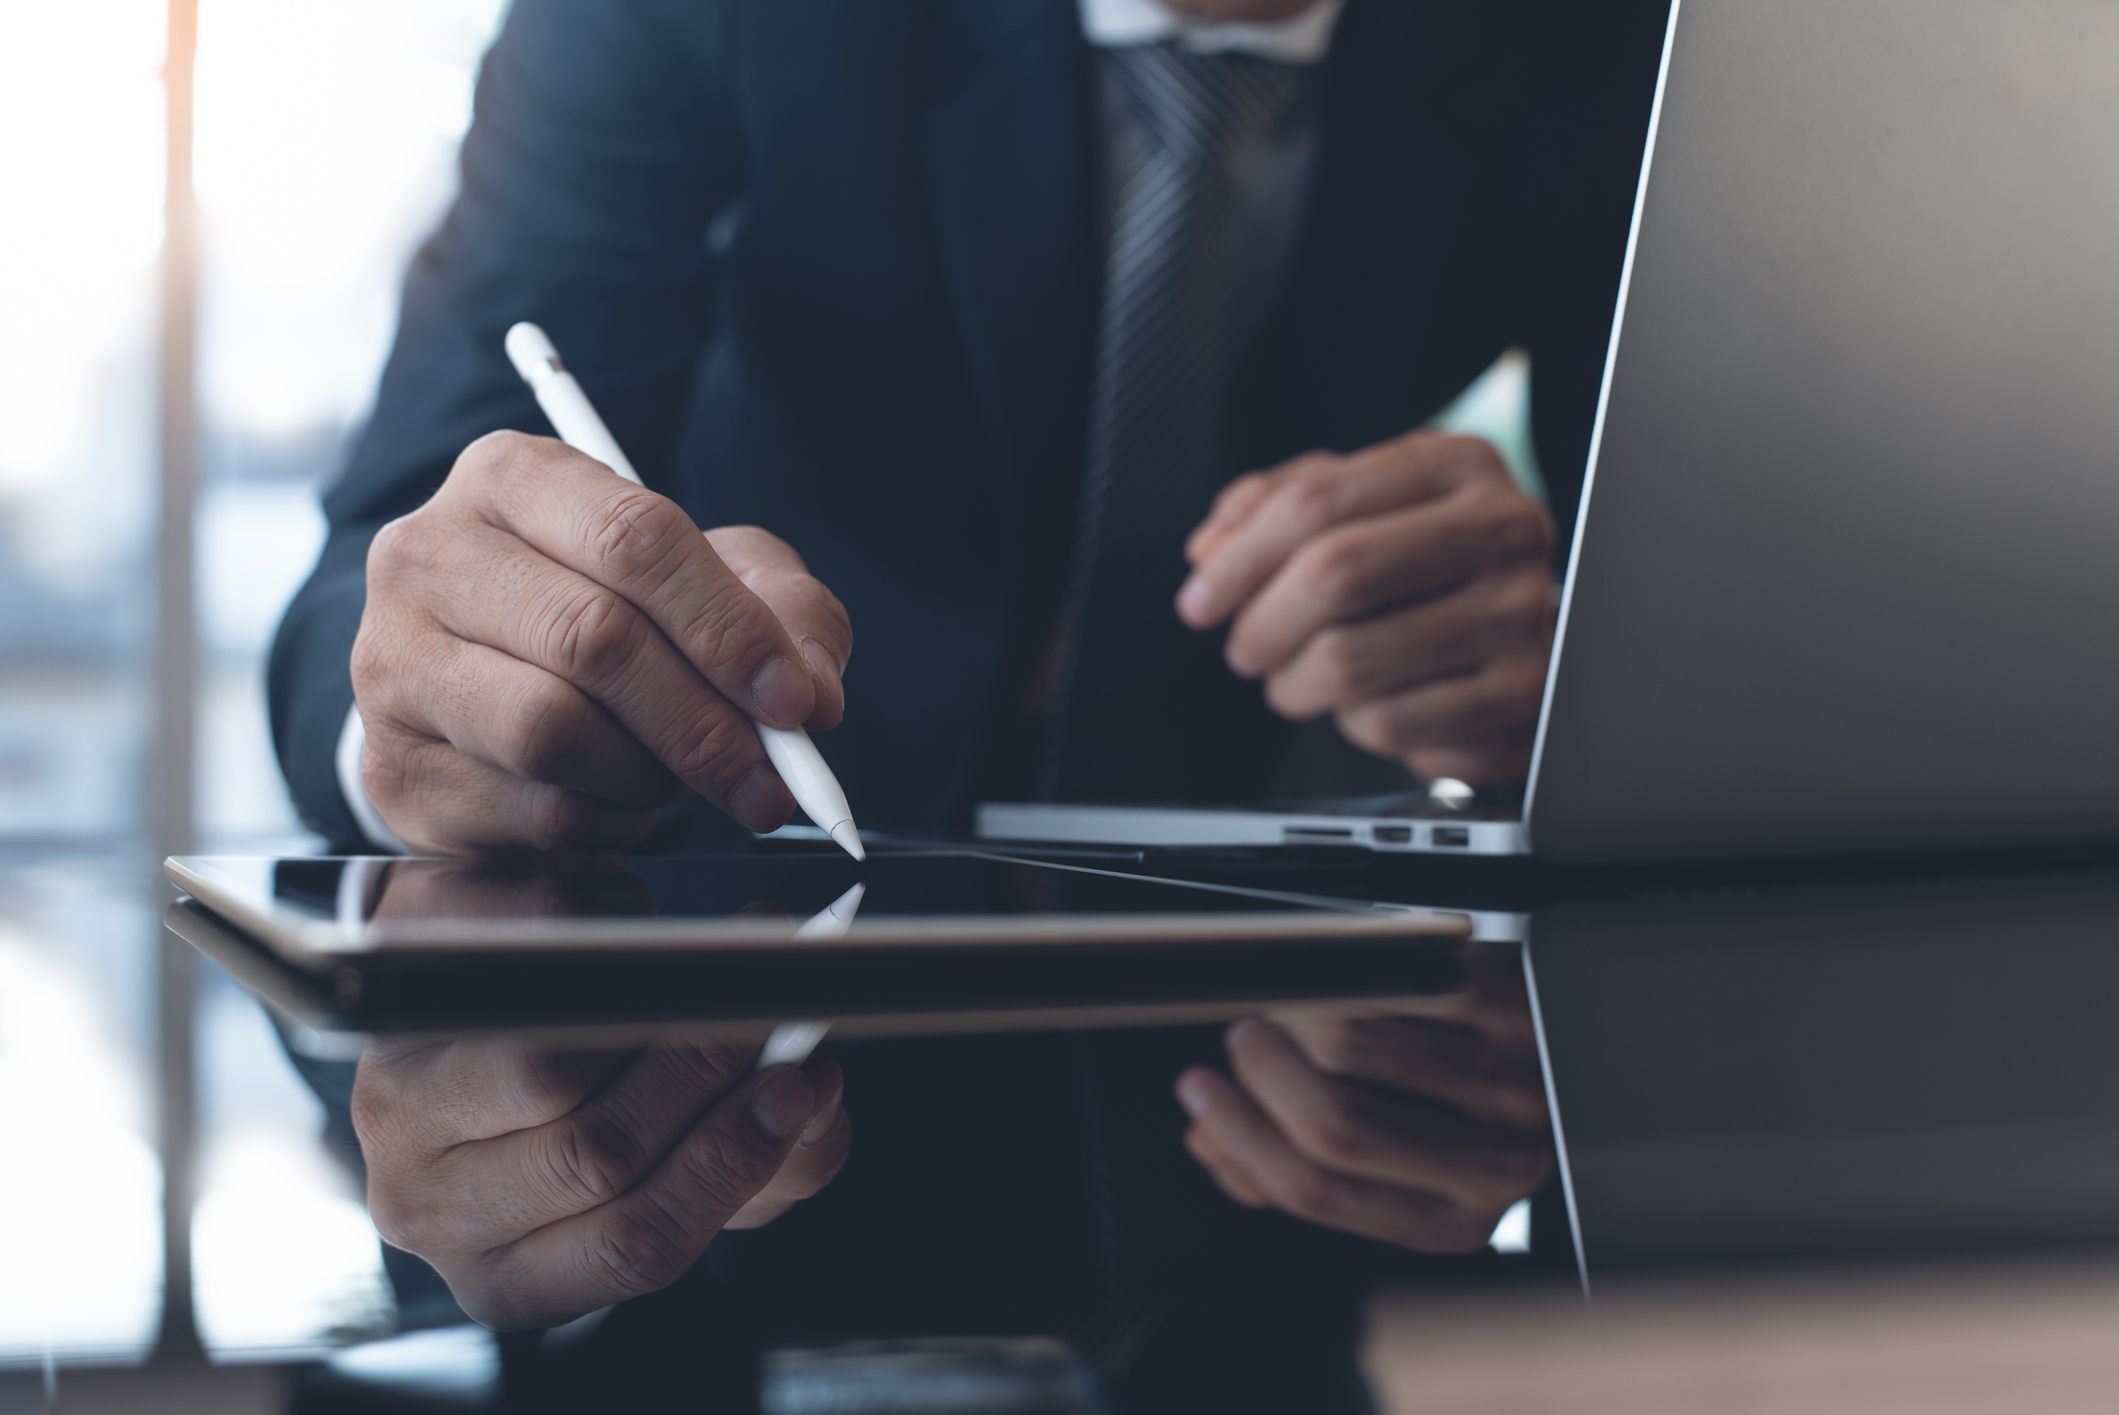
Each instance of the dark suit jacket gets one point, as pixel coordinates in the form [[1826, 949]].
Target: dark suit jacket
[[832, 267]]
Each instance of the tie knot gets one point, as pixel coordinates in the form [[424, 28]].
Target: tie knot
[[1198, 106]]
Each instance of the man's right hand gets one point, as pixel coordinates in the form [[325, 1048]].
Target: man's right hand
[[550, 653], [544, 1185]]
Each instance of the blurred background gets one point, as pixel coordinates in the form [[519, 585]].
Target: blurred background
[[205, 210], [171, 409]]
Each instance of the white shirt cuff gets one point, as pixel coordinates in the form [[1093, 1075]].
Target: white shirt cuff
[[352, 741]]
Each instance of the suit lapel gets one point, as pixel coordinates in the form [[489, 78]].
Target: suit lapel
[[1011, 147], [1409, 110]]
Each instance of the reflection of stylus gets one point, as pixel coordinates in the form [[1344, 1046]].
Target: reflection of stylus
[[794, 1041], [574, 418]]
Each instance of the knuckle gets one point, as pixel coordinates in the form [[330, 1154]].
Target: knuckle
[[387, 772], [1342, 1048], [633, 533], [1294, 699], [585, 1164], [370, 661], [722, 1170], [1518, 526], [1334, 568], [1464, 1234], [398, 548], [494, 451], [592, 637], [1346, 663], [1333, 1135], [721, 753], [1313, 1194], [491, 461], [1524, 603], [636, 1255], [556, 820], [1310, 495], [551, 721], [1375, 731], [397, 1223]]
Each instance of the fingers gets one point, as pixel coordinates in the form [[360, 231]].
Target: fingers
[[1490, 1080], [1256, 1158], [1228, 1175], [651, 1235], [413, 1101], [528, 608], [645, 550], [1231, 509], [826, 1142], [1490, 715], [810, 612], [1354, 569], [1368, 1132], [1343, 664], [1236, 557], [544, 1186], [440, 801], [529, 723]]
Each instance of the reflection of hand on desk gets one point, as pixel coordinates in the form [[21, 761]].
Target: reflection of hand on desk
[[513, 886], [544, 1185], [1414, 1130]]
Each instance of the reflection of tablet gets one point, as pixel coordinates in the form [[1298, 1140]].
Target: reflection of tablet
[[942, 940]]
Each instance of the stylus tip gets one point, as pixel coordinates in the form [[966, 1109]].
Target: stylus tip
[[849, 839]]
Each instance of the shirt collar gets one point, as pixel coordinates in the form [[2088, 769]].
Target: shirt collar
[[1115, 24]]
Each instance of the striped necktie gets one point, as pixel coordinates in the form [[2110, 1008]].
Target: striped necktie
[[1120, 723], [1120, 718]]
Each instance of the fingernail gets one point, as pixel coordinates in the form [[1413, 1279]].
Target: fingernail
[[1241, 1032], [819, 1126], [782, 694], [820, 665], [1238, 662], [1192, 1093], [782, 1102], [761, 801], [1196, 600]]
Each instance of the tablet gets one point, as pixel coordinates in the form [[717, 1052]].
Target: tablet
[[913, 941]]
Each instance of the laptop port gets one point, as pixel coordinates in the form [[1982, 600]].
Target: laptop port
[[1394, 835], [1317, 832], [1457, 835]]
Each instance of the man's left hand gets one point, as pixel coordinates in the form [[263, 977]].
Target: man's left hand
[[1416, 1131], [1406, 589]]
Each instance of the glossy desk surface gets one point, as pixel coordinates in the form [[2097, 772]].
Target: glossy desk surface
[[1763, 1062], [1848, 1064]]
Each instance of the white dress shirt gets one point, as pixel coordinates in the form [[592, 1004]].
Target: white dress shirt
[[1304, 39], [1270, 182]]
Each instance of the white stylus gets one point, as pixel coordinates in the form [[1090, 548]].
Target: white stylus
[[794, 1041], [574, 418]]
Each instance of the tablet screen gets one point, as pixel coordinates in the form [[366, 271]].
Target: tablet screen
[[359, 904]]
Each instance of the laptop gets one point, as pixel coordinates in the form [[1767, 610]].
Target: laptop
[[1846, 575]]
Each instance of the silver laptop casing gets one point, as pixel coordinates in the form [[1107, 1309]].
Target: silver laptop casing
[[1847, 571]]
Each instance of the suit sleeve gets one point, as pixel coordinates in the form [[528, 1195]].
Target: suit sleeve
[[602, 144]]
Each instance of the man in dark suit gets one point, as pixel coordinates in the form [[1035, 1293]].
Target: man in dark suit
[[963, 320]]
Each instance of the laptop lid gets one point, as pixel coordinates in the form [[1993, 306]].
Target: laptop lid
[[1847, 570]]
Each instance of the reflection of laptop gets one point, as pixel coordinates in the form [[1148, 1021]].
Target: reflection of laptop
[[1847, 566]]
